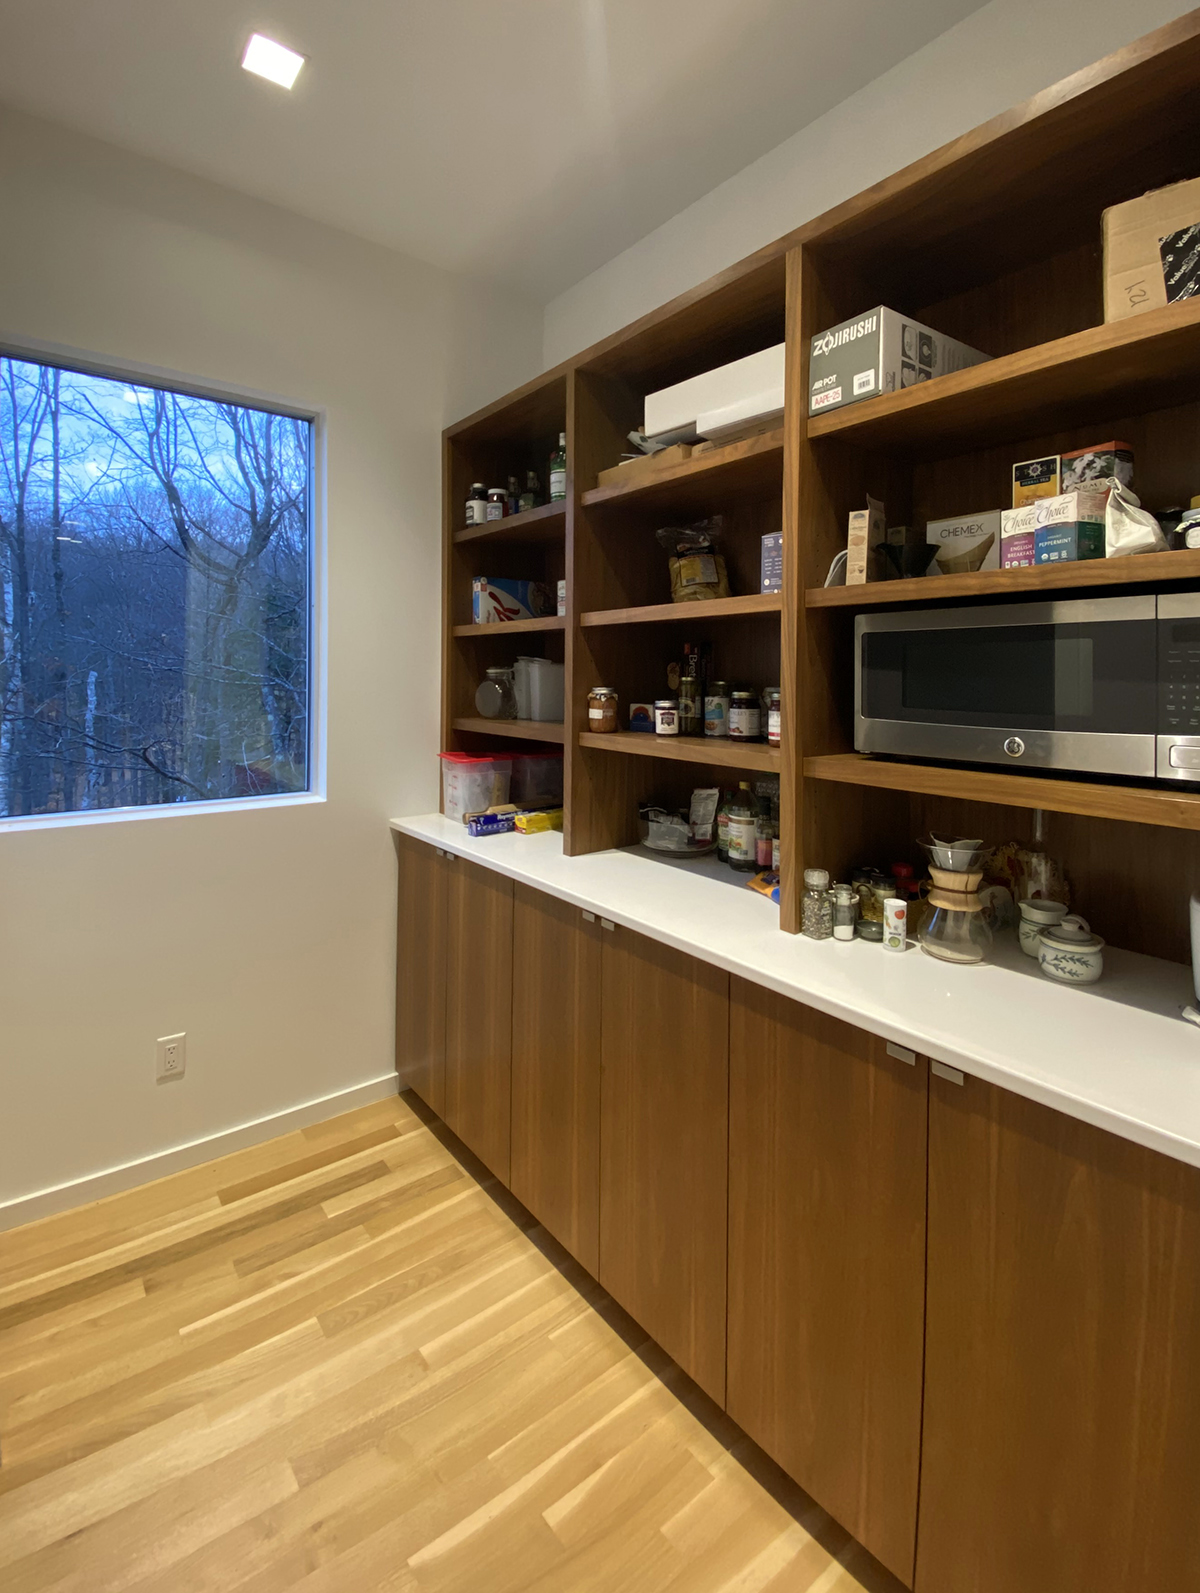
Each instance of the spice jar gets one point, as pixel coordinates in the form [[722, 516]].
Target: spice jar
[[745, 717], [497, 503], [666, 717], [845, 912], [772, 702], [716, 710], [816, 906], [602, 710], [477, 504], [873, 890]]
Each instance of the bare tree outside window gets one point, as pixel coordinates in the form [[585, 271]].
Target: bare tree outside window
[[154, 595]]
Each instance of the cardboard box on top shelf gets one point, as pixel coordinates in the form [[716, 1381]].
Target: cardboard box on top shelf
[[1152, 250], [965, 543]]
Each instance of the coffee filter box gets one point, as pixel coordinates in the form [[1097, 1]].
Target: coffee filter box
[[965, 543], [879, 352]]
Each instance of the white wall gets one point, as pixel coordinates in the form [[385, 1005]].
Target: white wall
[[267, 935], [994, 59]]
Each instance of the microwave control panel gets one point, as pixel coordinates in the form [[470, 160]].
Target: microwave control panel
[[1179, 677]]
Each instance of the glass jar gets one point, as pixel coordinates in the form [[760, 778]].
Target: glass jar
[[741, 829], [602, 710], [845, 912], [691, 706], [497, 503], [772, 702], [955, 929], [873, 890], [496, 697], [666, 717], [477, 504], [716, 710], [816, 905], [745, 717]]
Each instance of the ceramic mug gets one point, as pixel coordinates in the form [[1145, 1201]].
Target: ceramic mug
[[1071, 953]]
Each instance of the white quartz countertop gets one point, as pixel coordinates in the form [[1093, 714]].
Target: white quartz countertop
[[1117, 1054]]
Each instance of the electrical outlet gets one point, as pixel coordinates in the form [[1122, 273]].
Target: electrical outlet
[[171, 1057]]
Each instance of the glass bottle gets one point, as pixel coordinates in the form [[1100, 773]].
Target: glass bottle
[[816, 906], [477, 504], [845, 912], [496, 697], [531, 497], [723, 826], [558, 469], [741, 829], [691, 692], [514, 495]]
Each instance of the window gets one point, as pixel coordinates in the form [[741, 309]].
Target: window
[[155, 558]]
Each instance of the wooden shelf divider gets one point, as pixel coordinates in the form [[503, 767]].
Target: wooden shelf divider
[[548, 622], [522, 729], [1183, 565], [1149, 359], [750, 756], [1135, 804], [543, 524], [688, 613]]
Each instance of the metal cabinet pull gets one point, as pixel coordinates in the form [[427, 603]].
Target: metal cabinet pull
[[607, 923], [588, 918], [902, 1053], [943, 1070]]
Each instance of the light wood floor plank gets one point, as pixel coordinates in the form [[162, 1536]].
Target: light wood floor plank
[[348, 1362]]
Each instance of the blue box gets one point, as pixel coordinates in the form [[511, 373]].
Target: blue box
[[1074, 539], [494, 602]]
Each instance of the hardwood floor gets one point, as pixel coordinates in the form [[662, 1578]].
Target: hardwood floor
[[346, 1362]]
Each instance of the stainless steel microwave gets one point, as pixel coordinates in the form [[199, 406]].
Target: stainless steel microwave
[[1108, 685]]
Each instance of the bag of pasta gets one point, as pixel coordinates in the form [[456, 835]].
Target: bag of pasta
[[697, 569]]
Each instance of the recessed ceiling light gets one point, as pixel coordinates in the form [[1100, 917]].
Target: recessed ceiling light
[[270, 60]]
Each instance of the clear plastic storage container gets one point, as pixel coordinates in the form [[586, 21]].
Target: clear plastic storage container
[[471, 785], [540, 689], [537, 779]]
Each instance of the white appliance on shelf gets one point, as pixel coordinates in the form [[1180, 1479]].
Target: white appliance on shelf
[[730, 398]]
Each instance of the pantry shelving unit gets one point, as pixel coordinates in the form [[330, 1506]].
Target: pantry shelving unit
[[993, 239]]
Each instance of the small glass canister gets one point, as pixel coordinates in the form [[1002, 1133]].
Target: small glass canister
[[872, 893], [666, 717], [602, 710], [816, 905], [496, 696]]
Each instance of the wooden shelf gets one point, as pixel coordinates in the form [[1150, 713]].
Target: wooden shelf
[[751, 756], [549, 622], [1155, 568], [662, 613], [1178, 810], [1149, 360], [546, 523], [522, 729], [755, 463]]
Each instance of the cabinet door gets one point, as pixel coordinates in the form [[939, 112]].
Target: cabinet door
[[421, 972], [479, 1010], [827, 1261], [1062, 1383], [556, 1069], [664, 1113]]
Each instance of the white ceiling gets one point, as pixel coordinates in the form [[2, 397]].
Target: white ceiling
[[526, 141]]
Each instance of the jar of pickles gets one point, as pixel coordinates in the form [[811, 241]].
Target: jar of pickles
[[602, 710], [745, 717]]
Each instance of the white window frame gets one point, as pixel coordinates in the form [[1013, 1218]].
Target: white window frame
[[33, 349]]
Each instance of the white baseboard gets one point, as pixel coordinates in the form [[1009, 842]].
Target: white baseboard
[[82, 1191]]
